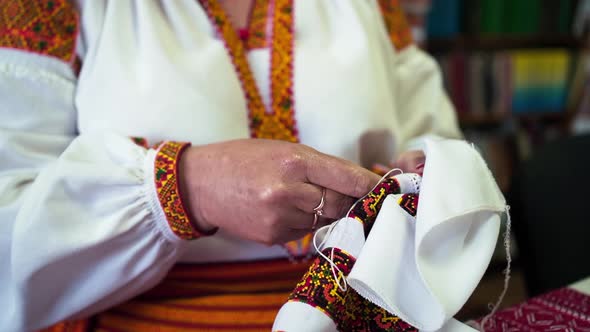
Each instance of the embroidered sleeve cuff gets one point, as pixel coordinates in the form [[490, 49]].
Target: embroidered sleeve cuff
[[167, 187]]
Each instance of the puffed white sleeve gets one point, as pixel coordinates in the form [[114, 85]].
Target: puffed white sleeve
[[422, 105], [86, 221]]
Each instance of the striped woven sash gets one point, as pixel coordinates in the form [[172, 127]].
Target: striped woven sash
[[242, 296]]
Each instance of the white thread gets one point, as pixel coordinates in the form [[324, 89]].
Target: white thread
[[330, 259], [333, 266], [506, 272], [378, 183]]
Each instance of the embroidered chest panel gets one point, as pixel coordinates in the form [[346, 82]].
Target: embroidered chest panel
[[48, 27]]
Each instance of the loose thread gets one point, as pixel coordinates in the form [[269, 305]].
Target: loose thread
[[494, 307], [329, 228]]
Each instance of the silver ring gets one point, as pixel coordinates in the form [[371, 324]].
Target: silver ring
[[318, 211]]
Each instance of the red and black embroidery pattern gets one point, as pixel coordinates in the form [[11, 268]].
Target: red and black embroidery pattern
[[318, 288], [409, 202], [362, 315], [348, 310], [47, 27], [366, 210], [165, 177]]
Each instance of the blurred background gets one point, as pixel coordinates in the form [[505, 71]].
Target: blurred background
[[518, 73]]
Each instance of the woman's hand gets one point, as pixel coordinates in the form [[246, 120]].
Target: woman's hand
[[410, 162], [266, 190]]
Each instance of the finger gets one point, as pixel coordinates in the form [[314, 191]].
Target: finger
[[411, 161], [293, 225], [340, 175], [309, 197], [297, 219]]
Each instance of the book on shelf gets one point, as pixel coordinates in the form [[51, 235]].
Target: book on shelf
[[580, 75], [491, 16], [522, 17], [479, 79], [492, 85], [581, 18], [444, 18], [540, 79], [579, 94], [500, 18], [502, 83]]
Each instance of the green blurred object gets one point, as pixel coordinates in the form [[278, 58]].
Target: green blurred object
[[492, 14], [523, 17], [566, 13]]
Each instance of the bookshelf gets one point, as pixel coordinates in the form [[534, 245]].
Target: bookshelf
[[539, 57], [496, 43], [469, 45], [478, 120], [469, 120], [459, 31]]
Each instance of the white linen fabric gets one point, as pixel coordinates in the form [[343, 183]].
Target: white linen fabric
[[424, 271], [423, 268], [348, 235], [80, 225]]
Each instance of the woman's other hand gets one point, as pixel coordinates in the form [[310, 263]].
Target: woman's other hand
[[411, 161], [408, 162], [266, 190]]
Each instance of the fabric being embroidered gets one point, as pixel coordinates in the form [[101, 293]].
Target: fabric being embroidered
[[347, 308], [363, 210], [324, 286], [423, 255]]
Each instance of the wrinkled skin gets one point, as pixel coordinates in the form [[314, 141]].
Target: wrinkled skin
[[266, 190]]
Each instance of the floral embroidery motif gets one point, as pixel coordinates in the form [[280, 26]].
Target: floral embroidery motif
[[409, 202], [366, 210], [47, 27], [396, 23], [279, 123], [348, 310], [257, 37], [165, 177]]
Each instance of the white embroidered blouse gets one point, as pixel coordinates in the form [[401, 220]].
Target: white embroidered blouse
[[81, 228]]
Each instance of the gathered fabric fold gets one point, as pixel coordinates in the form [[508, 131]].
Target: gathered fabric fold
[[416, 249]]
